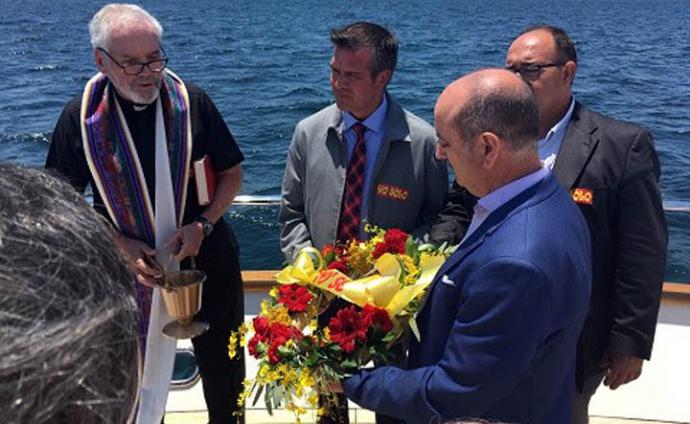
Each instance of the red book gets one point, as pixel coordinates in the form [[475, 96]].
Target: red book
[[205, 178]]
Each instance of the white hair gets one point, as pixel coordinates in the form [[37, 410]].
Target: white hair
[[119, 14]]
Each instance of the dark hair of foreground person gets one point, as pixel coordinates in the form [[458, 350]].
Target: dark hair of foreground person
[[68, 345]]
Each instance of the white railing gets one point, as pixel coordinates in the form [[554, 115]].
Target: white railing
[[274, 200]]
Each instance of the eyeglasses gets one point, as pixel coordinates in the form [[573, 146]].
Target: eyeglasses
[[531, 71], [155, 65]]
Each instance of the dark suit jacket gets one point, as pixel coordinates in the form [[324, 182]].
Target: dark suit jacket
[[500, 323], [617, 163]]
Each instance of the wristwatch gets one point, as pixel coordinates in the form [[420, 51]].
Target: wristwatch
[[206, 224]]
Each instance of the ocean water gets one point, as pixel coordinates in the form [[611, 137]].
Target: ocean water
[[265, 64]]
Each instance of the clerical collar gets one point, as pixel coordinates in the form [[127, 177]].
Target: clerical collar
[[136, 107]]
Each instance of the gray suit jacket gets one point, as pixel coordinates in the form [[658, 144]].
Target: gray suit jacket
[[408, 188]]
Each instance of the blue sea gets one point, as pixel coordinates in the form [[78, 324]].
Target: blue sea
[[265, 64]]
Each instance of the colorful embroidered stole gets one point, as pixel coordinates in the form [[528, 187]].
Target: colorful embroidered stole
[[116, 170]]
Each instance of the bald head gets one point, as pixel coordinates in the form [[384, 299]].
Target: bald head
[[487, 125], [491, 100]]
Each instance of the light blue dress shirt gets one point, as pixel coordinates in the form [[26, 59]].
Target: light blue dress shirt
[[501, 196], [551, 143], [373, 139]]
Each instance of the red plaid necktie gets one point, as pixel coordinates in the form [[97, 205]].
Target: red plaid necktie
[[350, 211]]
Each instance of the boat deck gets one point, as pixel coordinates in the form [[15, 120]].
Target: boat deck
[[658, 397]]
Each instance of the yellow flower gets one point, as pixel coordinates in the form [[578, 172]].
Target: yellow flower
[[275, 313], [376, 238], [237, 338], [411, 268], [263, 371], [306, 382], [246, 391], [313, 400], [282, 315], [232, 345], [273, 292], [265, 307], [374, 232], [360, 258]]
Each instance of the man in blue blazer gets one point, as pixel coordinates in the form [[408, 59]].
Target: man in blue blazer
[[612, 171], [502, 317]]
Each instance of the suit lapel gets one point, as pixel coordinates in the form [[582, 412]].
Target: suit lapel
[[578, 145], [465, 249], [491, 224]]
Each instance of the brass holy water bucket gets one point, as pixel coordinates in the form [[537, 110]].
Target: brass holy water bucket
[[181, 292]]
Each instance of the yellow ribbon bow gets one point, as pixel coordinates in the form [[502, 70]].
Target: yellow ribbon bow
[[382, 288]]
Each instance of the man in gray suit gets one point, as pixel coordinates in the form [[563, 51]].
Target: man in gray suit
[[363, 158]]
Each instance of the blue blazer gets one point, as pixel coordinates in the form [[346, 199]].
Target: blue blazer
[[500, 324]]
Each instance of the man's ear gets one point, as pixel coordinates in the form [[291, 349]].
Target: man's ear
[[98, 59], [569, 69], [490, 146], [383, 78]]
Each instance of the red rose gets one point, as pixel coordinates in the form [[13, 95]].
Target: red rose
[[252, 345], [261, 326], [295, 297], [279, 335], [373, 316], [346, 328], [340, 265], [379, 250], [282, 333], [273, 354], [393, 242], [395, 239]]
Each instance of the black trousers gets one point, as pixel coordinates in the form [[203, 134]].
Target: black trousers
[[222, 306], [580, 411]]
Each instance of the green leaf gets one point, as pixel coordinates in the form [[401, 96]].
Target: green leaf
[[403, 273], [258, 393], [411, 249], [349, 363], [284, 351], [428, 246], [311, 361], [267, 401], [389, 337], [415, 330], [278, 396]]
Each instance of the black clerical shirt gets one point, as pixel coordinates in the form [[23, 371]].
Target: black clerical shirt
[[210, 136]]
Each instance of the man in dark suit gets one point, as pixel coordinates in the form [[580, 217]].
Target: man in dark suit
[[612, 171], [501, 321]]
